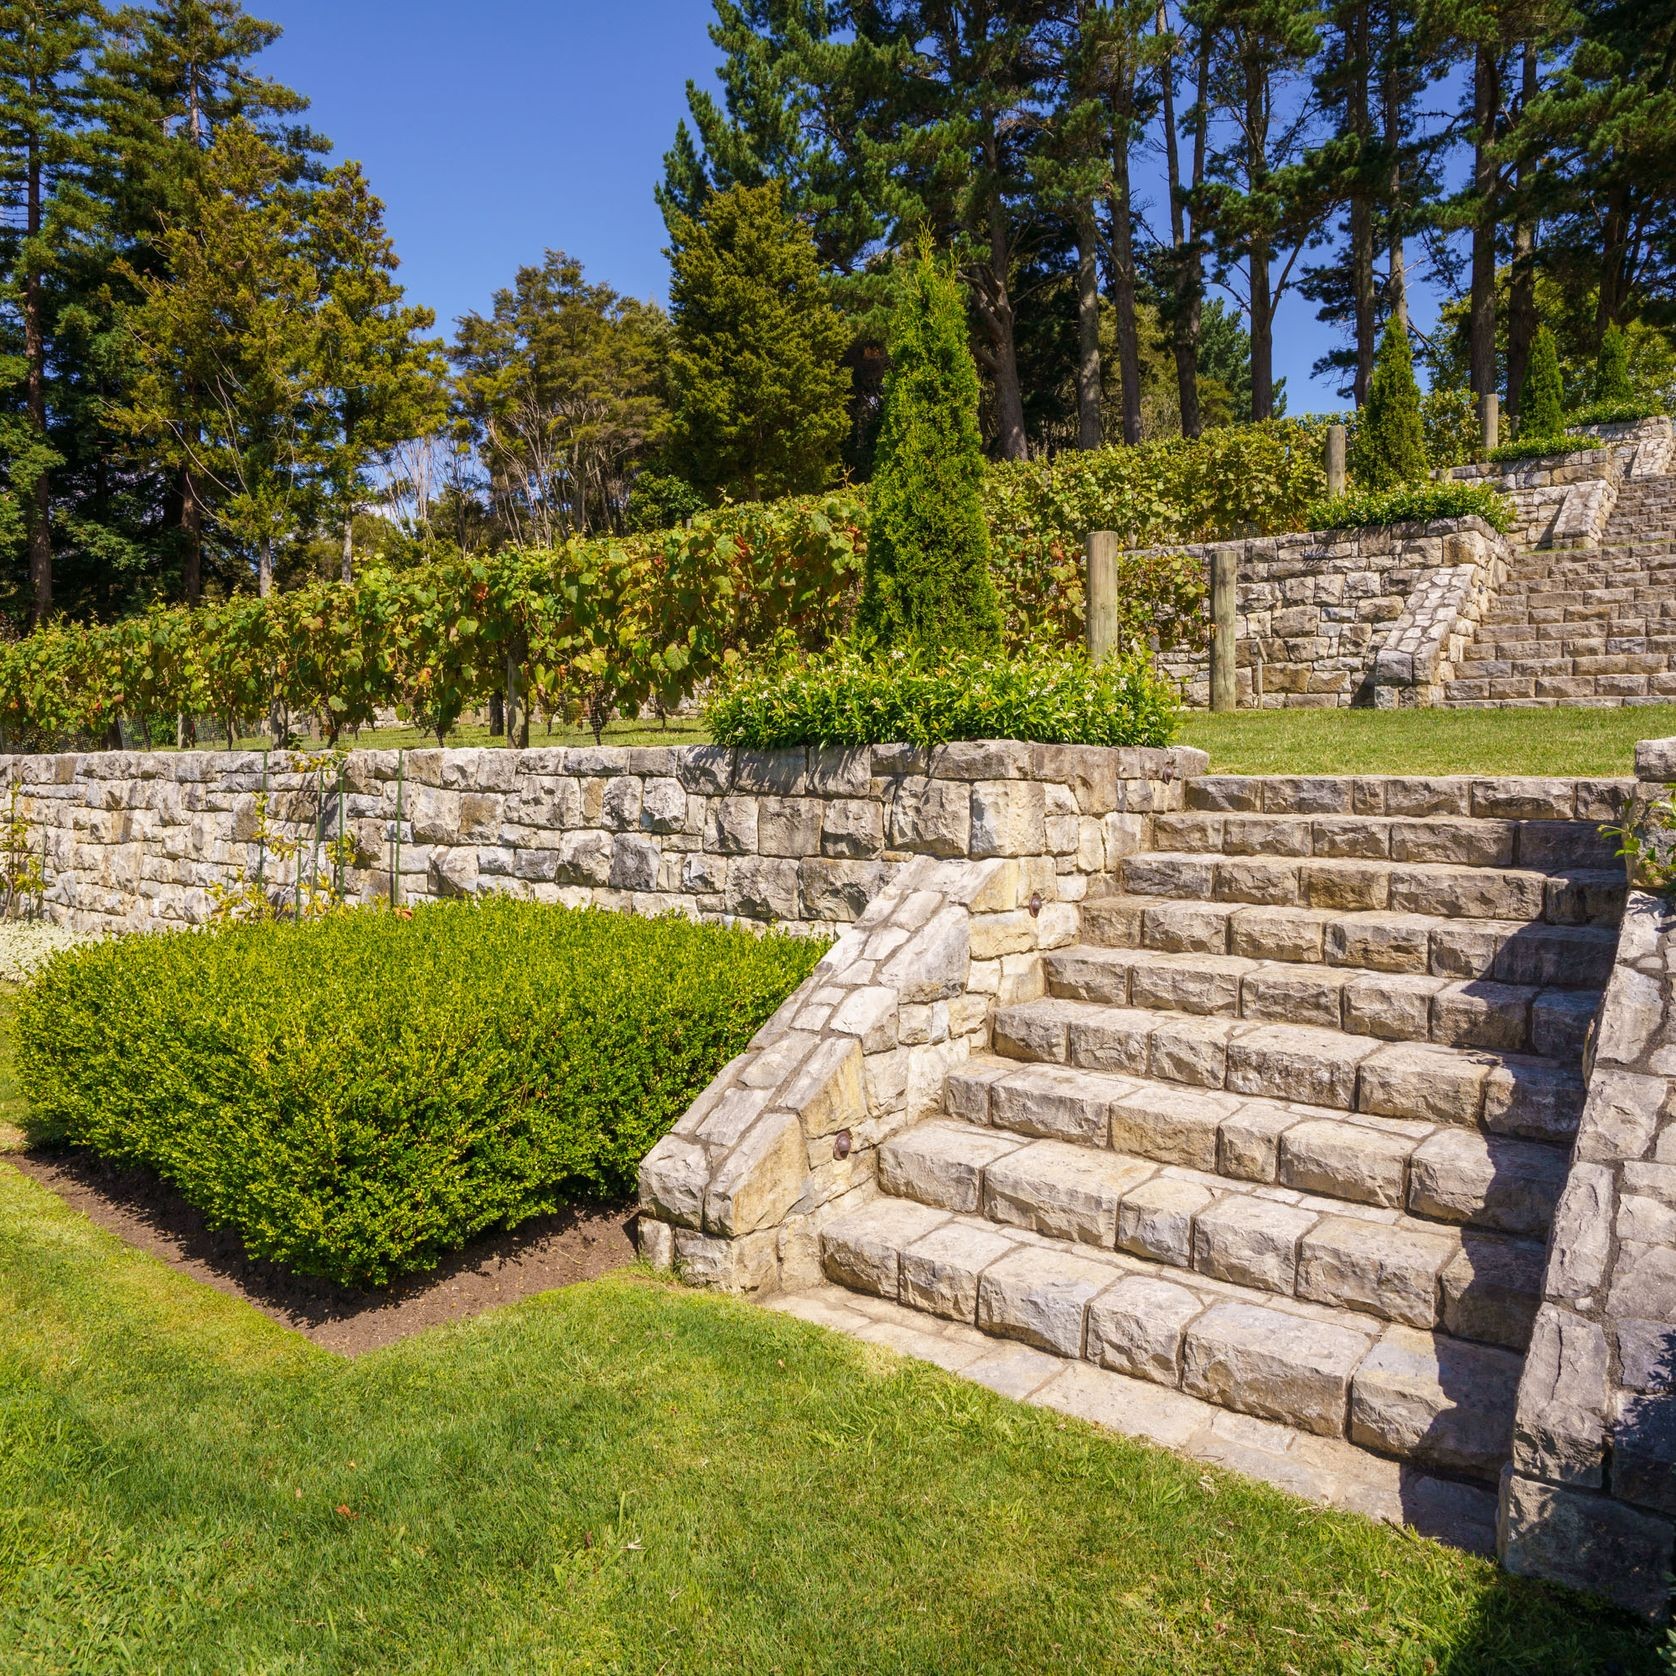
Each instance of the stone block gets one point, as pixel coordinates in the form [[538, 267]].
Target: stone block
[[1587, 1542], [1007, 818], [1136, 1327], [1040, 1295], [1251, 1241], [760, 1179], [733, 825], [1273, 1364], [941, 1163], [862, 1248], [762, 887], [634, 861], [941, 1271], [1345, 1160], [1063, 1191], [1459, 1175], [1155, 1220], [931, 817], [789, 826], [674, 1177], [1392, 1272], [852, 827]]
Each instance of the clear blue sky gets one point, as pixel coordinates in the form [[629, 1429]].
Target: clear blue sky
[[496, 129]]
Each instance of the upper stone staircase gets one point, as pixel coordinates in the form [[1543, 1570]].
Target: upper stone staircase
[[1286, 1129], [1579, 627]]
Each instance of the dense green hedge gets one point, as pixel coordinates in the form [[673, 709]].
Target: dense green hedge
[[863, 696], [1414, 503], [356, 1096], [1544, 447]]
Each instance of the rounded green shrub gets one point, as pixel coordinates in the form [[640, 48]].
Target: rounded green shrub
[[356, 1096], [927, 581]]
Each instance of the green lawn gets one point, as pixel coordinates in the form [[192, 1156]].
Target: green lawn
[[625, 1476], [1565, 742]]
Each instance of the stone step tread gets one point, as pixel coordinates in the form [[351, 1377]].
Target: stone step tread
[[1472, 1012], [1500, 797], [1508, 951], [1502, 1093], [1470, 1282], [1327, 1471], [1391, 1166], [1457, 840], [1565, 896], [1421, 1396]]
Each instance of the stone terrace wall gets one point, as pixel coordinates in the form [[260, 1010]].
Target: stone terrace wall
[[1559, 500], [139, 840], [788, 1135], [1590, 1496], [1315, 610]]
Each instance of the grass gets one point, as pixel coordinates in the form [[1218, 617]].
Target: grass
[[628, 1477], [1563, 742]]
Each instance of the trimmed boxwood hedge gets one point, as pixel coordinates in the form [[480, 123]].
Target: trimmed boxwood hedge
[[354, 1097]]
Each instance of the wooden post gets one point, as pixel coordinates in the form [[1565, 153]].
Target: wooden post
[[1100, 594], [1224, 598], [1489, 414], [1335, 461]]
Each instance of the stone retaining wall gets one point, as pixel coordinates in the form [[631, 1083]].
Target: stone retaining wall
[[140, 840], [1315, 611], [1589, 1498], [787, 1137], [1558, 500]]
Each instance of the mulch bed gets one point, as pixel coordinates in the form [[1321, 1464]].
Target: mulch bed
[[141, 1208]]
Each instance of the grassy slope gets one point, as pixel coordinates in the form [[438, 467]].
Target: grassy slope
[[627, 1477], [1579, 742]]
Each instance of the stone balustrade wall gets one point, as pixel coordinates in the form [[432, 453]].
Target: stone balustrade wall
[[1589, 1498]]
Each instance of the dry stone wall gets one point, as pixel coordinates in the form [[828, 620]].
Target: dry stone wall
[[142, 840], [1589, 1498], [1316, 610], [787, 1137]]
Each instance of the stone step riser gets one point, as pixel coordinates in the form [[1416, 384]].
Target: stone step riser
[[1474, 1286], [1426, 1171], [1500, 1094], [1587, 802], [1563, 689], [1578, 897], [1431, 1400], [1540, 956], [1541, 846], [1472, 1014]]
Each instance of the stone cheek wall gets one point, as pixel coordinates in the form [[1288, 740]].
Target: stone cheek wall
[[141, 840], [1590, 1496], [787, 1137], [1561, 500], [1316, 610]]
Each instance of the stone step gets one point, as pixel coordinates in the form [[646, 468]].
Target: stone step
[[1516, 1095], [1423, 1397], [1541, 845], [1562, 689], [1424, 1170], [1520, 798], [1575, 896], [1504, 951], [1415, 1007], [1269, 1238]]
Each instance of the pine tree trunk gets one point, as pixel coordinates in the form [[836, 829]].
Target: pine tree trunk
[[1090, 429], [35, 396], [1361, 204], [1123, 252], [1188, 265], [1258, 248], [1486, 101], [192, 534], [265, 567], [1521, 302], [1391, 100], [347, 574], [996, 307], [1614, 261]]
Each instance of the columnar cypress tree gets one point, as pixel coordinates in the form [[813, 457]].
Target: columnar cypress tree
[[928, 581], [1542, 401], [1612, 380], [1390, 436]]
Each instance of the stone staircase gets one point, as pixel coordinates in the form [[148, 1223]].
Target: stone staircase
[[1578, 627], [1286, 1129]]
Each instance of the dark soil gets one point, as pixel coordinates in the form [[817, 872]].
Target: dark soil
[[141, 1208]]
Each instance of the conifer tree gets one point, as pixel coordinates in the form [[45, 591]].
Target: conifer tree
[[1542, 401], [1390, 435], [927, 581], [760, 392], [44, 46], [1612, 380]]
